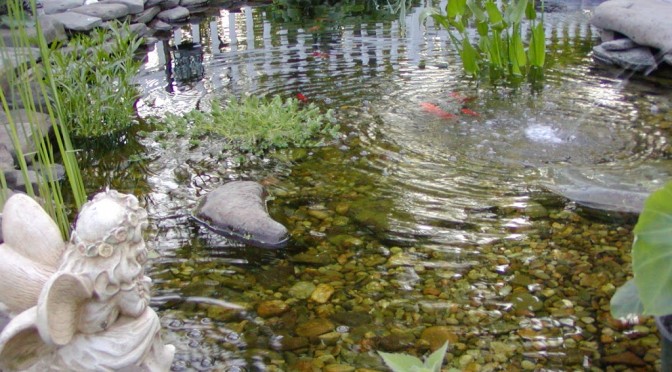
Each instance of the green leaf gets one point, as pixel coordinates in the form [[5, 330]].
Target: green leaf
[[435, 360], [517, 51], [429, 12], [479, 14], [652, 253], [625, 301], [401, 362], [469, 58], [515, 12], [483, 29], [495, 16], [537, 48], [456, 8], [530, 12]]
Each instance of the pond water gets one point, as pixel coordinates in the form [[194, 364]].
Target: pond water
[[411, 229]]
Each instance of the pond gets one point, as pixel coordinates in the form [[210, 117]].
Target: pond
[[413, 228]]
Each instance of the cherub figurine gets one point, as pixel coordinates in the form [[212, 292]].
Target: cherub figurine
[[84, 305]]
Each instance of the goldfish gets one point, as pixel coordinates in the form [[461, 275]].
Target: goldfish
[[436, 110], [459, 97], [466, 111], [319, 54]]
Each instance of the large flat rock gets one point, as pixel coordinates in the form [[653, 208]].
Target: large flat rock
[[646, 22], [610, 189], [104, 11], [77, 21], [23, 127], [237, 210]]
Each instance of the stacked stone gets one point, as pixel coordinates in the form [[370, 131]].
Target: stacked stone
[[60, 18], [76, 15], [636, 34]]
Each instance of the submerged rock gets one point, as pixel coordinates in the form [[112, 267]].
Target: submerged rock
[[237, 210], [617, 190], [636, 58]]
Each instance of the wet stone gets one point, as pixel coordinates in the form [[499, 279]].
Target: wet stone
[[237, 210], [6, 160], [637, 59], [619, 44], [322, 293], [147, 15], [628, 358], [523, 301], [315, 327], [52, 7], [338, 368], [436, 336], [271, 308], [76, 21], [396, 342], [521, 280], [302, 290], [104, 11], [310, 258], [174, 15], [134, 6], [22, 123], [352, 318], [292, 343]]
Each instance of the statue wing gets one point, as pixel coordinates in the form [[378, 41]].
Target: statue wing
[[20, 343], [58, 307]]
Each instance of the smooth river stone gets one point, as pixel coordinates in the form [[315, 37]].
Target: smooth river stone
[[646, 22], [237, 210]]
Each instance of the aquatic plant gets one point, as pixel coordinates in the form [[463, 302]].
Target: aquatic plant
[[648, 293], [35, 88], [408, 363], [257, 125], [499, 47], [94, 76]]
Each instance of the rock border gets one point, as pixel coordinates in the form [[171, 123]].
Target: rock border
[[636, 34]]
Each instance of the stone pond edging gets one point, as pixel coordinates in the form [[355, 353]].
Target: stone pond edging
[[60, 19], [636, 34]]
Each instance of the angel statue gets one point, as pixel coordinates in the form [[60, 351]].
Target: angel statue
[[81, 305]]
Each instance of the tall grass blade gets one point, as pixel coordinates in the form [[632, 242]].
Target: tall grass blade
[[20, 77]]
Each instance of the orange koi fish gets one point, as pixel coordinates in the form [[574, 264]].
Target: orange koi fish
[[459, 97], [320, 55], [301, 97], [436, 110], [466, 111]]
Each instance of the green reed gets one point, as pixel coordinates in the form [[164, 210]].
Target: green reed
[[255, 125], [499, 46], [34, 86], [94, 76]]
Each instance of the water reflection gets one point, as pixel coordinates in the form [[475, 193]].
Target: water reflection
[[414, 220]]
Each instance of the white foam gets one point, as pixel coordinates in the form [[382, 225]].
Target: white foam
[[542, 133]]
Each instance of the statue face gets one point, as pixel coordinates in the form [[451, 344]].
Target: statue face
[[111, 251]]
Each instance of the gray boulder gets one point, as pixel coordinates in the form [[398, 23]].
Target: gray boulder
[[610, 189], [6, 158], [77, 21], [645, 23], [24, 131], [60, 6], [237, 210], [636, 59], [104, 11], [174, 15]]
